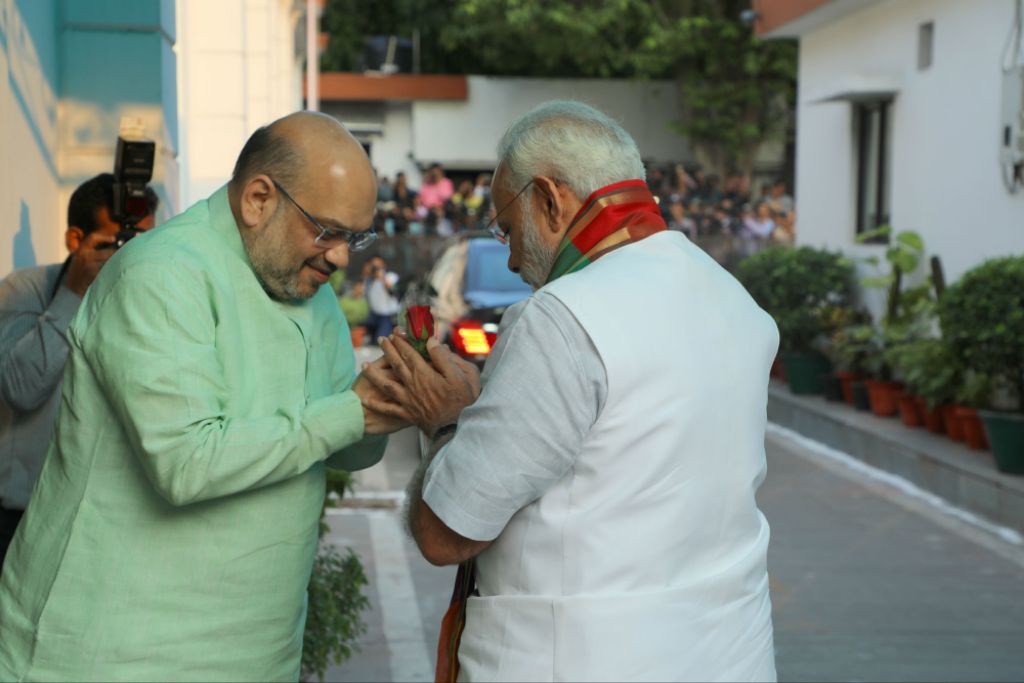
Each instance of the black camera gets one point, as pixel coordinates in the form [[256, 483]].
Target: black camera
[[133, 169]]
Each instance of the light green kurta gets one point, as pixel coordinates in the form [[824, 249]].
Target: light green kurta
[[172, 532]]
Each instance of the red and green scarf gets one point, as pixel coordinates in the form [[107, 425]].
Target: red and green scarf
[[612, 217]]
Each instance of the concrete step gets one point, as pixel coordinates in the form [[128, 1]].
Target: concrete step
[[964, 477]]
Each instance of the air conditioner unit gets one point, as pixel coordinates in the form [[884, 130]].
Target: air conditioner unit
[[1012, 128]]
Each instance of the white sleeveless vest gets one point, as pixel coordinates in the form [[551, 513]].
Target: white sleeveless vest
[[647, 561]]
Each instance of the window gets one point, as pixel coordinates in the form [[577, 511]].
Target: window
[[873, 152], [925, 41]]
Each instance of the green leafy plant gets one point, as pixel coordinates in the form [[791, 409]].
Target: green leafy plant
[[982, 316], [909, 311], [335, 598], [807, 291], [932, 370], [856, 348]]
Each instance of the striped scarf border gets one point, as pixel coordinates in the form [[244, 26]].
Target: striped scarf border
[[612, 217]]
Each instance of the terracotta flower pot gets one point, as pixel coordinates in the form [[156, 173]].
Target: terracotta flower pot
[[846, 379], [883, 397], [932, 418], [908, 411], [358, 334], [974, 431], [953, 428]]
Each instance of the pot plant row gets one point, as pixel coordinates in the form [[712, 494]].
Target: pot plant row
[[950, 361]]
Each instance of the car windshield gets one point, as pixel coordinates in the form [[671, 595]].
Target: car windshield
[[487, 270]]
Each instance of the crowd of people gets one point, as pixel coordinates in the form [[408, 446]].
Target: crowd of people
[[691, 201], [437, 208], [700, 205]]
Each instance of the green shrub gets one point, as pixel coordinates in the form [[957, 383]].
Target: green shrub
[[982, 317], [804, 289], [334, 614], [335, 598], [931, 370]]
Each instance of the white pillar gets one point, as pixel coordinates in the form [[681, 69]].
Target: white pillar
[[312, 56]]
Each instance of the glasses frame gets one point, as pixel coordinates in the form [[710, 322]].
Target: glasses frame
[[492, 225], [330, 237]]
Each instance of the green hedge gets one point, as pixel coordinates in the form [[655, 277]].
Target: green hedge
[[806, 290], [982, 319]]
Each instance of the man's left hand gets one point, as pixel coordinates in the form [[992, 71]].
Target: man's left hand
[[433, 393]]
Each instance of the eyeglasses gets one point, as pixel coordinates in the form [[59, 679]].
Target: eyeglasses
[[330, 237], [492, 225]]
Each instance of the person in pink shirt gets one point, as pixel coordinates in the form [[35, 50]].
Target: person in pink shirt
[[436, 189]]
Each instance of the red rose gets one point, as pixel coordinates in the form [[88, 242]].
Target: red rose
[[419, 326]]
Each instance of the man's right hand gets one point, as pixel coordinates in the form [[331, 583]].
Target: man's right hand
[[87, 261], [381, 415], [432, 393]]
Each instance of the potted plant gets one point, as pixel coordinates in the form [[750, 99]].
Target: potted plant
[[906, 345], [801, 289], [905, 360], [335, 600], [846, 349], [904, 318], [973, 392], [936, 377], [853, 348], [983, 317]]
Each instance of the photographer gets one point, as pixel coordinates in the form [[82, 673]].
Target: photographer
[[36, 307]]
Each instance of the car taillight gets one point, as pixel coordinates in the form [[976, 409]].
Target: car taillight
[[471, 338]]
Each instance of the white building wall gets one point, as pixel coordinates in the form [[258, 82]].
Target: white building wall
[[232, 79], [390, 152], [466, 133], [946, 179]]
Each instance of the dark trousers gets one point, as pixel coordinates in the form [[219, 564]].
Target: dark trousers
[[378, 326], [8, 525]]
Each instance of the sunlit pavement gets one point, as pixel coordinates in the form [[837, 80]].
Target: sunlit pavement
[[868, 583]]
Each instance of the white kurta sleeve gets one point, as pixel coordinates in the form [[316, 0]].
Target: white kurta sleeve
[[544, 387]]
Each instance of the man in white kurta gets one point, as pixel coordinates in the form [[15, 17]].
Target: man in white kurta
[[605, 478]]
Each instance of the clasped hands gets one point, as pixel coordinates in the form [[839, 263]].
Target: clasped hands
[[403, 388]]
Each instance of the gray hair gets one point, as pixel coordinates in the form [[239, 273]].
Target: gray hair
[[572, 142]]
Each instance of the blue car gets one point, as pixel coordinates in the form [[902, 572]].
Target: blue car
[[472, 287]]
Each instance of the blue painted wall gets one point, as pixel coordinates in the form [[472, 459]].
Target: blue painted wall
[[119, 52], [102, 59]]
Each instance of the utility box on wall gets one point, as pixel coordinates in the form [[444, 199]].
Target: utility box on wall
[[1012, 128]]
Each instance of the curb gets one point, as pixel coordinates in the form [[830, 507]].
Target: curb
[[965, 478]]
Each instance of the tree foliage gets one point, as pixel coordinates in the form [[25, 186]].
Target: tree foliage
[[737, 91]]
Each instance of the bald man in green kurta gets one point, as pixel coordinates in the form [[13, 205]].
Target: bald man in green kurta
[[211, 379]]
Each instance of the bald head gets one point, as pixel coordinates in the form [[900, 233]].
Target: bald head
[[301, 190], [300, 146]]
